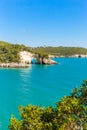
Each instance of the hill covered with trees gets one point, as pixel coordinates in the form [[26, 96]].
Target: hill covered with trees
[[70, 113], [65, 51]]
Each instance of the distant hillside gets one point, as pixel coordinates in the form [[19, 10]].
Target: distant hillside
[[9, 52], [65, 51]]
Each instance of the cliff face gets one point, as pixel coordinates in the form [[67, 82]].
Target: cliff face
[[26, 57]]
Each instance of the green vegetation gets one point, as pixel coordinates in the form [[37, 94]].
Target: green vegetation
[[9, 52], [70, 113], [65, 51]]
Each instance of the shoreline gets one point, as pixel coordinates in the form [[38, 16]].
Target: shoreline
[[25, 65], [14, 65], [70, 56]]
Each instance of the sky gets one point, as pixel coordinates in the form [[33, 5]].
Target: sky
[[44, 22]]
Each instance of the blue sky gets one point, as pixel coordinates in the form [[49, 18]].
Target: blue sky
[[44, 22]]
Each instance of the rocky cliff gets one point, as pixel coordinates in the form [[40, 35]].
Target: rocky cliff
[[48, 61], [26, 57]]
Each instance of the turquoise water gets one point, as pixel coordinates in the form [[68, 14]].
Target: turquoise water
[[38, 85]]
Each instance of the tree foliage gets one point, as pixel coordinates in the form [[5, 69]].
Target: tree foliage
[[70, 113]]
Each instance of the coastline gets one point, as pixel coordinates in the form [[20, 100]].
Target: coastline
[[46, 61], [69, 56], [14, 65]]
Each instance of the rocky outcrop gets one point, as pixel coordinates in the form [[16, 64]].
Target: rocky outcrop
[[26, 57], [46, 61], [49, 61]]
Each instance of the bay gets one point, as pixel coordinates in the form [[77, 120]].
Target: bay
[[41, 85]]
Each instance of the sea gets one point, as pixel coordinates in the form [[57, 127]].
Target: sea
[[41, 85]]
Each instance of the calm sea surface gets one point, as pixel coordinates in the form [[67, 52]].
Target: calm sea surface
[[38, 85]]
